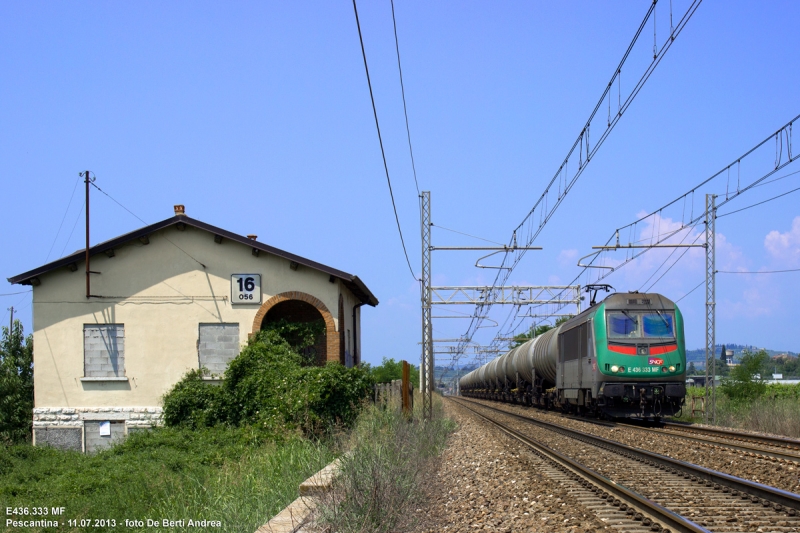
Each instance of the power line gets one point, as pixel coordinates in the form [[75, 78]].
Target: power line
[[673, 264], [785, 130], [778, 179], [145, 223], [16, 305], [467, 234], [403, 92], [665, 262], [13, 293], [579, 156], [380, 140], [73, 228], [759, 203], [119, 204], [691, 291], [62, 219], [758, 272]]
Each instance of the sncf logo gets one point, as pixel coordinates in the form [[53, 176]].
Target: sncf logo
[[655, 361]]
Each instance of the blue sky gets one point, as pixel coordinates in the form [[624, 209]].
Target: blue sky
[[256, 116]]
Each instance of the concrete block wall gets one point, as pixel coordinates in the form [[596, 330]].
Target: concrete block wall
[[219, 344], [63, 438], [104, 350]]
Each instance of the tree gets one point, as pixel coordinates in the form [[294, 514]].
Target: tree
[[16, 385], [745, 381], [390, 369], [691, 371], [535, 331], [722, 356]]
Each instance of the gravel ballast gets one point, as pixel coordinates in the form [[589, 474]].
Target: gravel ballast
[[488, 481], [781, 474]]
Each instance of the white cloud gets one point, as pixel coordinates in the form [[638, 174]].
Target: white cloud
[[568, 258], [785, 246]]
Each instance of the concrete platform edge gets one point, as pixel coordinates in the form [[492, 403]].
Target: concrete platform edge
[[297, 514]]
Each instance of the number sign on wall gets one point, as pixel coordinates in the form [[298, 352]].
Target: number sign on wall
[[246, 288]]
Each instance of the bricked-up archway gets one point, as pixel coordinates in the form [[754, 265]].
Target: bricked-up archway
[[331, 346]]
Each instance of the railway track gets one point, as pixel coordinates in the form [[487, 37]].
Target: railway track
[[619, 507], [774, 448], [695, 496], [763, 446]]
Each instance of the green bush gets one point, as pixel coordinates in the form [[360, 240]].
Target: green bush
[[744, 382], [777, 391], [301, 336], [193, 403], [268, 386]]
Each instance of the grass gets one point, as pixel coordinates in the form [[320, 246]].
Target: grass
[[777, 411], [380, 479], [234, 476]]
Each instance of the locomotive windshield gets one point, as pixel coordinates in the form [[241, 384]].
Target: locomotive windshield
[[640, 324], [657, 325]]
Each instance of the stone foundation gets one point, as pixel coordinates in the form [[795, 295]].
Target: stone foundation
[[73, 417], [63, 438]]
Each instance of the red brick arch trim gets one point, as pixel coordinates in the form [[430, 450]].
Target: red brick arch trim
[[331, 338]]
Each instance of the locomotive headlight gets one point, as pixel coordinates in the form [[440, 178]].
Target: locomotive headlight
[[663, 369], [672, 369], [615, 368], [622, 369]]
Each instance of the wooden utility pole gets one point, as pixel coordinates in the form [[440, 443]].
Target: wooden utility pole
[[88, 271], [11, 322]]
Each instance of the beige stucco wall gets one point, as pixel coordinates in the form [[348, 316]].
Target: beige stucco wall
[[163, 294]]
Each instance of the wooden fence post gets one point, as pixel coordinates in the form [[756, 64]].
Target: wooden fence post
[[404, 390]]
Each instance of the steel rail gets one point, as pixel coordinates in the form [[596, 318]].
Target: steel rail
[[784, 442], [772, 496], [678, 434], [652, 510]]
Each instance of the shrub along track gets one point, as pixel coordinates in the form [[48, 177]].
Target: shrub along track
[[761, 465], [712, 499]]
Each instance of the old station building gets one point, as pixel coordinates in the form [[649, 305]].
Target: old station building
[[164, 299]]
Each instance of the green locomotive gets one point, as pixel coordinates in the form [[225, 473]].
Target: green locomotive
[[624, 357]]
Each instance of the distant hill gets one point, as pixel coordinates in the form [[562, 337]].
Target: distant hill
[[698, 356]]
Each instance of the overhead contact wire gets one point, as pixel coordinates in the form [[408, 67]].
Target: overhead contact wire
[[579, 144]]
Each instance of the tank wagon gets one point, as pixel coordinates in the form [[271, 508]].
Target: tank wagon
[[622, 357]]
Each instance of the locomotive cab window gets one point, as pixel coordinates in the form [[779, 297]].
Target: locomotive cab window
[[623, 325], [637, 324], [657, 325]]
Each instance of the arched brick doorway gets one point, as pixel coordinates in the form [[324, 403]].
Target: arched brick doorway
[[301, 307]]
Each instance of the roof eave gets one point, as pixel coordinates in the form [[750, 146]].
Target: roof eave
[[356, 286]]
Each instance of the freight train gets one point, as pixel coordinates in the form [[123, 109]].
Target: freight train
[[623, 357]]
